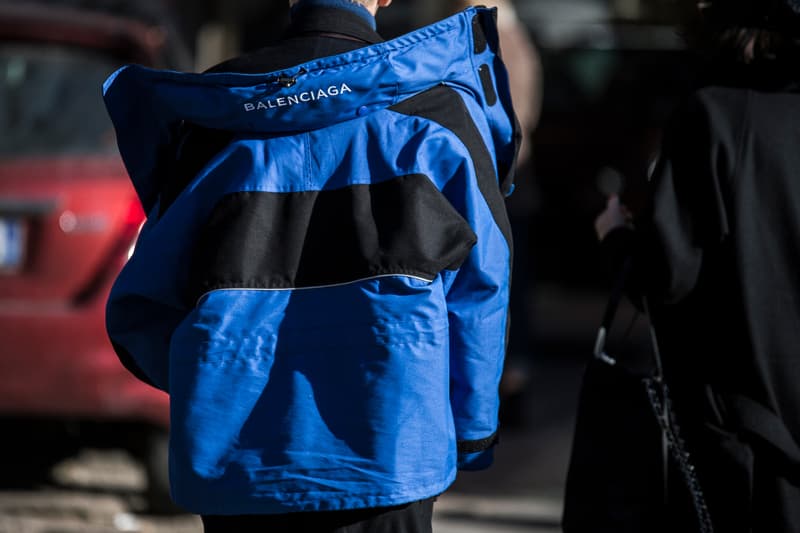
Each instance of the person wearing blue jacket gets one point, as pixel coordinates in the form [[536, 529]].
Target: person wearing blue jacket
[[322, 282]]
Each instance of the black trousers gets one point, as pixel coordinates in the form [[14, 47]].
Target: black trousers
[[414, 517]]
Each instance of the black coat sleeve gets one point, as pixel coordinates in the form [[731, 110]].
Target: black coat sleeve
[[686, 211]]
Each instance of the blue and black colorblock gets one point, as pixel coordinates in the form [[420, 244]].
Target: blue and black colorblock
[[326, 300]]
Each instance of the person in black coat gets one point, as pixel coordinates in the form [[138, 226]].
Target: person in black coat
[[716, 255]]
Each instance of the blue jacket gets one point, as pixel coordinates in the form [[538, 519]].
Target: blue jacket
[[326, 301]]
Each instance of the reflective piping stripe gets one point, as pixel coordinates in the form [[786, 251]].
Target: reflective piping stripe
[[316, 287]]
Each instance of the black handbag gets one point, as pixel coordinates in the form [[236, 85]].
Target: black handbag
[[627, 444]]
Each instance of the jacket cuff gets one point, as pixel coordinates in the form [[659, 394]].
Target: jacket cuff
[[476, 461], [476, 454]]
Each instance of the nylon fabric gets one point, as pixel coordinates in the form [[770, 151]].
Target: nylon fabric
[[147, 103], [388, 355], [356, 393]]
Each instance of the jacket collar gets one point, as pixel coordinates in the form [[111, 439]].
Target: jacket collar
[[317, 19]]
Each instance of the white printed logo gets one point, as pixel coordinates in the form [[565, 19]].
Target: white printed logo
[[298, 98]]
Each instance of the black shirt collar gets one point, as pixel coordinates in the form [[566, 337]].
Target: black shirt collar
[[333, 22]]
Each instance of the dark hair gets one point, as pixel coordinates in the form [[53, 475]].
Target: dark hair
[[756, 45], [748, 31]]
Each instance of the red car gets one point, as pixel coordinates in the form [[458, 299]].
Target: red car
[[68, 219]]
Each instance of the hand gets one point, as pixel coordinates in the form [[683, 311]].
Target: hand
[[614, 216]]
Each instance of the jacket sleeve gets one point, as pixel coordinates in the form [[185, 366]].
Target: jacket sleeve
[[140, 331], [145, 305], [477, 299]]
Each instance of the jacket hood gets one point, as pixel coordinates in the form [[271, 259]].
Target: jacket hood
[[146, 106]]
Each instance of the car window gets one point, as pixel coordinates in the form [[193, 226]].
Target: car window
[[51, 101]]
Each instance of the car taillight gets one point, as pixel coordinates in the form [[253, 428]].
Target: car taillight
[[118, 254], [134, 221], [133, 243]]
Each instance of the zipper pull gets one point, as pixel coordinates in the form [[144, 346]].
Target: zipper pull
[[289, 81]]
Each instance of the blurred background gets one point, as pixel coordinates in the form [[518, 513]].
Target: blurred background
[[82, 444]]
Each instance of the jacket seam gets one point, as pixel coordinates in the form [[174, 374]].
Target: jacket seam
[[243, 286], [307, 158]]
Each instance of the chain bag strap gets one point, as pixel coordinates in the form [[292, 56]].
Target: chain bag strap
[[661, 403], [658, 394]]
